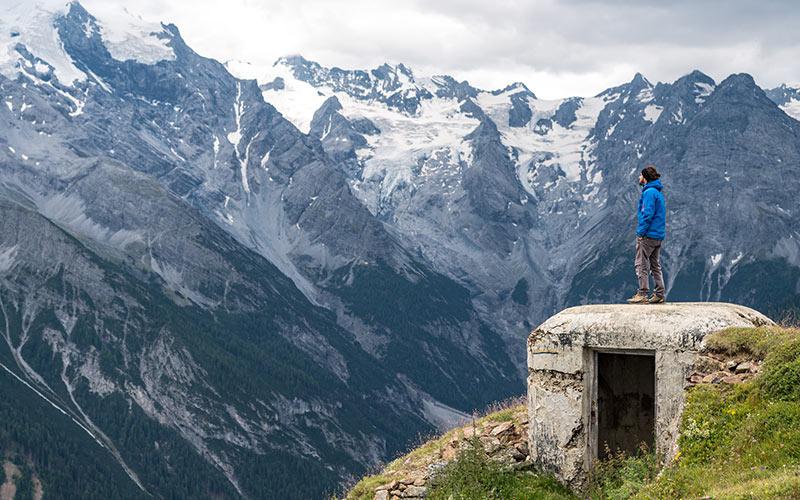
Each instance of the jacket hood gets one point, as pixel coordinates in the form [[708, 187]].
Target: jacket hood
[[653, 184]]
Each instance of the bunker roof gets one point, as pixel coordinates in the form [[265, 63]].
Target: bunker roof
[[680, 325]]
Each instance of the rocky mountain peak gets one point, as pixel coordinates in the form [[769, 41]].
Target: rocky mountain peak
[[344, 235], [516, 88], [739, 89], [396, 73], [638, 83], [787, 97]]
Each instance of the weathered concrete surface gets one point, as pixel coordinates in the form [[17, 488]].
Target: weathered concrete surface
[[562, 380]]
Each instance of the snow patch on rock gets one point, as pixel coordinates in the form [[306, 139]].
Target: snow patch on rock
[[33, 26], [128, 37]]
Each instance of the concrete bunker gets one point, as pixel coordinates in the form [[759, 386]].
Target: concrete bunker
[[612, 377]]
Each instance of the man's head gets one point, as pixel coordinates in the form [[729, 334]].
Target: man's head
[[648, 174]]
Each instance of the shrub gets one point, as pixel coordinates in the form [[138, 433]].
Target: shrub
[[621, 476], [473, 475]]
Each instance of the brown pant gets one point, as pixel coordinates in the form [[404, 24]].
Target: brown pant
[[648, 251]]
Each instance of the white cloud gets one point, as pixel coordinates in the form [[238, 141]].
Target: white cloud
[[557, 48]]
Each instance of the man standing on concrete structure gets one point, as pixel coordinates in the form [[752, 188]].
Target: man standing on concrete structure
[[650, 232]]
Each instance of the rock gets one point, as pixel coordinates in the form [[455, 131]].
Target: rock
[[419, 482], [490, 444], [381, 495], [731, 365], [718, 376], [708, 364], [745, 367], [469, 432], [524, 465], [733, 379], [434, 468], [696, 378], [396, 493], [415, 492], [502, 428], [387, 486], [709, 379]]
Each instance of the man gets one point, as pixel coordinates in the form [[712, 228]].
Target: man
[[650, 232]]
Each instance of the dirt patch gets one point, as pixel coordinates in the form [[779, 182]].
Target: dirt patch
[[38, 490], [9, 489]]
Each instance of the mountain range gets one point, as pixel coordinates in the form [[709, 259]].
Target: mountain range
[[219, 285]]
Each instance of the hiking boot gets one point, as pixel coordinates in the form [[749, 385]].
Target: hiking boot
[[656, 299], [639, 298]]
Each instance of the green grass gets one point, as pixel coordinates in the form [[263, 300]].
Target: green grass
[[751, 342], [741, 441], [427, 452], [622, 476], [472, 475]]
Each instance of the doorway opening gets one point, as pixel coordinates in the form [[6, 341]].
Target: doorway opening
[[626, 387]]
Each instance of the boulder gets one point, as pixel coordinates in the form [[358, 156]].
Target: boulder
[[733, 379], [415, 492], [502, 428]]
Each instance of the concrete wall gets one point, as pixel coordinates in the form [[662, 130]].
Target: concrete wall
[[561, 372]]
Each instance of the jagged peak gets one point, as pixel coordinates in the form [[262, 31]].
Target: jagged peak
[[739, 80], [639, 81], [515, 88], [389, 71], [698, 75], [694, 77], [125, 34], [330, 105], [637, 84], [293, 60]]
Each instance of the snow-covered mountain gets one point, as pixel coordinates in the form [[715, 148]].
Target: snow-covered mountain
[[787, 96], [506, 192], [219, 286], [190, 280]]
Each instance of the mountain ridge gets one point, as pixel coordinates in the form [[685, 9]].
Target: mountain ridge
[[309, 276]]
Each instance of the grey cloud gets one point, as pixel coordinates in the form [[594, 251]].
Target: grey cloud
[[553, 46]]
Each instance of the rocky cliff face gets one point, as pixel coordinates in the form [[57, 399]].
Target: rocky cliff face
[[190, 280], [528, 202]]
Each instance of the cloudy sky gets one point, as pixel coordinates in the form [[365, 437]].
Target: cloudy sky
[[557, 47]]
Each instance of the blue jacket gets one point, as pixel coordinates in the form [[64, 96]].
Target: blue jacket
[[652, 212]]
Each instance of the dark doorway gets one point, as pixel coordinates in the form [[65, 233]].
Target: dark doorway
[[626, 387]]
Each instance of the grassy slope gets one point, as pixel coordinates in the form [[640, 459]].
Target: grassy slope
[[742, 441], [737, 441], [426, 454]]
